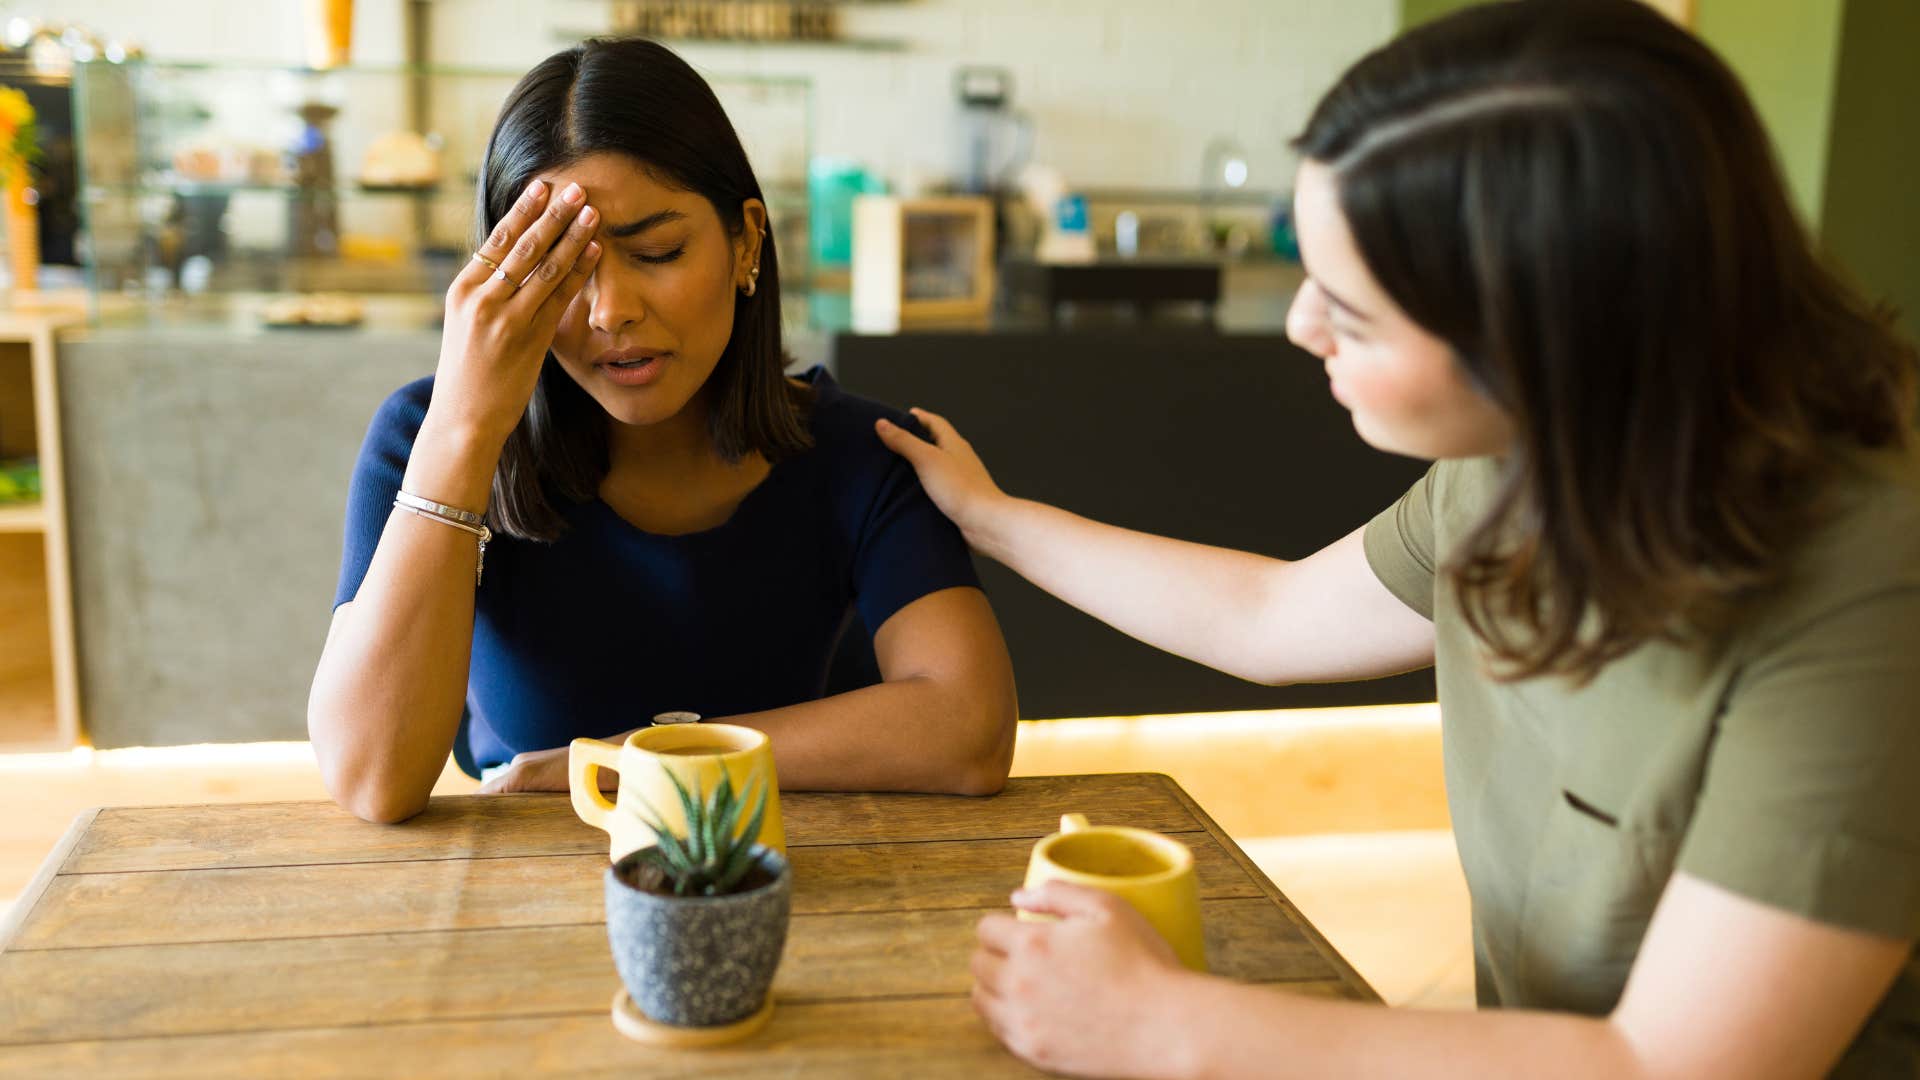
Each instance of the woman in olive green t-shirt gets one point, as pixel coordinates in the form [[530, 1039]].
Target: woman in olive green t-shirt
[[1667, 565]]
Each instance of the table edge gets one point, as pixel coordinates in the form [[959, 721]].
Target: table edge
[[1319, 941], [29, 898]]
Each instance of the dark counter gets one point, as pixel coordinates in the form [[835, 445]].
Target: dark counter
[[1228, 439]]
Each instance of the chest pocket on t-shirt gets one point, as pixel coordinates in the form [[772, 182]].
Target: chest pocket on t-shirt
[[1597, 876]]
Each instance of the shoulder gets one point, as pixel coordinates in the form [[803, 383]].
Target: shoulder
[[1465, 486], [1862, 560], [405, 407], [1455, 495], [842, 423]]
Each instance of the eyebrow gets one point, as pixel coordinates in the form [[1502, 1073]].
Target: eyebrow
[[634, 228], [1352, 312]]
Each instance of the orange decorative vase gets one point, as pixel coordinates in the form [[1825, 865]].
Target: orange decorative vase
[[23, 232]]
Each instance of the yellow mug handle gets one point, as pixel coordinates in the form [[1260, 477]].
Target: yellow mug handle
[[585, 759], [1069, 823]]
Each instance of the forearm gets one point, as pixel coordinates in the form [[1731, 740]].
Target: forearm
[[1219, 1029], [912, 734], [1204, 603], [391, 683]]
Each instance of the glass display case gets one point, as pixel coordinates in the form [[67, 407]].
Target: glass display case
[[218, 184]]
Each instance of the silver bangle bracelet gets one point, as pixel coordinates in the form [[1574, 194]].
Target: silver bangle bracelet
[[451, 513], [480, 533]]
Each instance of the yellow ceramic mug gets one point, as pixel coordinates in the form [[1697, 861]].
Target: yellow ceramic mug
[[1151, 872], [695, 753]]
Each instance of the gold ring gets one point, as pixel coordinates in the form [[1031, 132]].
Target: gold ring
[[484, 259]]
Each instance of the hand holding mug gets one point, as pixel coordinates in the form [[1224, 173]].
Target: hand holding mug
[[1083, 993]]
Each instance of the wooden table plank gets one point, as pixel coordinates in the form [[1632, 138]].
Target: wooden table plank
[[29, 900], [1362, 989], [504, 826], [83, 910], [215, 987], [933, 1038]]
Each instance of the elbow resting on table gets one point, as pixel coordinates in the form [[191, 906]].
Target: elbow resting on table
[[371, 800], [356, 786], [984, 771], [382, 808]]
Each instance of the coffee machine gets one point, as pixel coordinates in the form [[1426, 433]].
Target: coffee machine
[[995, 140]]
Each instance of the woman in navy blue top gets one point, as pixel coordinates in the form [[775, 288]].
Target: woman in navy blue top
[[609, 501]]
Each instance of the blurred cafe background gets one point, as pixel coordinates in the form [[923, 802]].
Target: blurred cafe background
[[1065, 224]]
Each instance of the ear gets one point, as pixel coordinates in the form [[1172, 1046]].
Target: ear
[[753, 232]]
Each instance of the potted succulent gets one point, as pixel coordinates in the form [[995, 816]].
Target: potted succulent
[[697, 921]]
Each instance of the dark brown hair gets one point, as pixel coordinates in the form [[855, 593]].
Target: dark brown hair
[[1579, 199], [638, 99]]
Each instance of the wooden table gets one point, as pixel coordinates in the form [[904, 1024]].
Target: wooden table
[[290, 939]]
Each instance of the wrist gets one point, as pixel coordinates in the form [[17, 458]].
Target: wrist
[[1178, 996], [453, 462], [986, 529]]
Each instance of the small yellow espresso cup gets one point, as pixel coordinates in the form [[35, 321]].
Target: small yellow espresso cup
[[697, 754], [1151, 872]]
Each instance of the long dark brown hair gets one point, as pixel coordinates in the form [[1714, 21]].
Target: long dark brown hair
[[1577, 196], [635, 98]]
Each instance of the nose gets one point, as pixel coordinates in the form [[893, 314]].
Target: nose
[[612, 305], [1307, 320]]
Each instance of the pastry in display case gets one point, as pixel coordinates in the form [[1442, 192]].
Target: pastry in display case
[[325, 311], [400, 161]]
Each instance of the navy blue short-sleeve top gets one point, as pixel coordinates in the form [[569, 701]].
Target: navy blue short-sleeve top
[[599, 631]]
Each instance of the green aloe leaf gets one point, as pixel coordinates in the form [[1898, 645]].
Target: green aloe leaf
[[672, 850], [751, 835], [690, 806], [737, 867], [721, 796], [729, 817], [668, 844]]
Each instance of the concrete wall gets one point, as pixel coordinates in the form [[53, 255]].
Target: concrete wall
[[207, 483]]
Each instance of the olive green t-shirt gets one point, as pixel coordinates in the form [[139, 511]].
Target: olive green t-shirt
[[1783, 766]]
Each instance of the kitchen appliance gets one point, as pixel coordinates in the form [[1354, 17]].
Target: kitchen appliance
[[995, 140]]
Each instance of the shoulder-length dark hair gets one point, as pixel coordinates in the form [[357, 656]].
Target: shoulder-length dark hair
[[1577, 196], [638, 99]]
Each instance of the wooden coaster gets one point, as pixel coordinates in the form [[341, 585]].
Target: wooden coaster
[[639, 1027]]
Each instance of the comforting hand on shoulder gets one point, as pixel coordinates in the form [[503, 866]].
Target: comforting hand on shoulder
[[953, 475]]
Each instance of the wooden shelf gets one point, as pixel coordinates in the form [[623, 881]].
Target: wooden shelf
[[39, 672], [22, 517]]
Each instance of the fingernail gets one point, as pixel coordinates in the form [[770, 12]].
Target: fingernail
[[1021, 897], [572, 194], [593, 249], [885, 423], [589, 216], [536, 189]]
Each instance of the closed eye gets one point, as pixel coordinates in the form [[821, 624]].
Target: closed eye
[[664, 257]]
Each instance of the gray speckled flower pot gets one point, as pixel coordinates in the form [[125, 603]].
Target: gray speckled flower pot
[[699, 961]]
